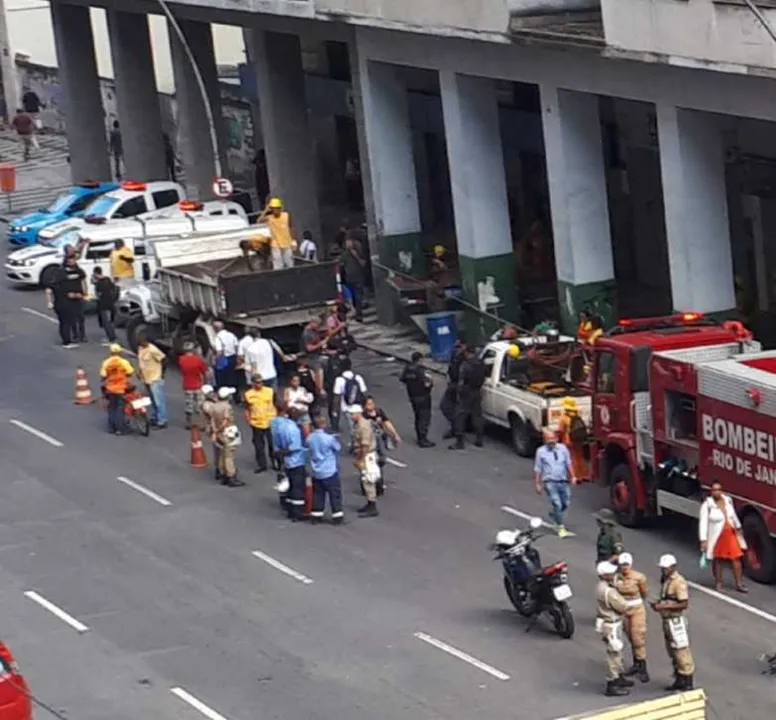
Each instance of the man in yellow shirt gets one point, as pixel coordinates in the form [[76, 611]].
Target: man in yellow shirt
[[259, 412], [122, 261], [115, 372], [150, 361], [281, 231]]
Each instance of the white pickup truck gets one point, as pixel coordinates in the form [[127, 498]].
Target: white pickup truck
[[524, 394]]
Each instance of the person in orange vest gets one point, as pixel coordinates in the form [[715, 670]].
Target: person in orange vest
[[585, 327], [574, 434], [281, 229], [596, 330], [115, 373]]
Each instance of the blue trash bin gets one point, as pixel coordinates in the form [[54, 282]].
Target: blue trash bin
[[442, 333]]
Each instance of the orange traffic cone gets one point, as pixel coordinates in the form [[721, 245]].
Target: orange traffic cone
[[198, 458], [83, 395], [308, 496]]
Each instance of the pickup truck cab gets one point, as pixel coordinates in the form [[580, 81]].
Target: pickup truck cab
[[526, 393], [72, 203], [34, 266], [130, 200]]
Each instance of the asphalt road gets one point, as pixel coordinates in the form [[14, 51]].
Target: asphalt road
[[170, 614]]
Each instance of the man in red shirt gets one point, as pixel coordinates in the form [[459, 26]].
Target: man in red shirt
[[194, 371], [25, 127]]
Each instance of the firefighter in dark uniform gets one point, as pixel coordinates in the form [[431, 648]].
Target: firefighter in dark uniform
[[608, 544], [469, 405], [450, 398], [419, 382]]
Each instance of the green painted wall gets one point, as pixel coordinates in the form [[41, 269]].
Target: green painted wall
[[600, 297]]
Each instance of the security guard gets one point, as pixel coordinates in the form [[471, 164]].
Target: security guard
[[608, 544], [611, 607], [470, 382], [672, 605], [450, 398], [418, 381], [633, 586]]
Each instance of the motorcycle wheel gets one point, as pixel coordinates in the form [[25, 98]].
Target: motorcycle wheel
[[563, 620], [526, 607], [140, 423]]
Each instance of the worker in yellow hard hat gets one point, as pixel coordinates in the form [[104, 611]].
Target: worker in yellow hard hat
[[513, 351], [281, 230], [438, 262], [574, 435]]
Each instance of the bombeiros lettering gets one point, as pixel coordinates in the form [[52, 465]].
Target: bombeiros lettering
[[733, 440]]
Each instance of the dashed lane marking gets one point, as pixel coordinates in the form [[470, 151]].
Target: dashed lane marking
[[38, 313], [57, 611], [395, 463], [526, 516], [732, 601], [148, 493], [283, 568], [37, 433], [461, 655], [198, 705]]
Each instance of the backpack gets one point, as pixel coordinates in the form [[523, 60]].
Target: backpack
[[353, 394], [577, 429]]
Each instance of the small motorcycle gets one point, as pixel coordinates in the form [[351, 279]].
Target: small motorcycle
[[532, 588]]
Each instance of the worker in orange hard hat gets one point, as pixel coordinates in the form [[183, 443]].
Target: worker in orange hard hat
[[282, 243], [574, 435]]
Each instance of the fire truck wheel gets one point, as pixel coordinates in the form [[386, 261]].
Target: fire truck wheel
[[522, 439], [761, 554], [622, 495]]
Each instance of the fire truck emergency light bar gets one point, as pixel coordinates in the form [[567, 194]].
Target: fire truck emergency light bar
[[685, 318]]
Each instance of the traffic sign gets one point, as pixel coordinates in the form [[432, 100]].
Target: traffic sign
[[222, 187]]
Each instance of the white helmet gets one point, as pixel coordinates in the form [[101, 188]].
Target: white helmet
[[606, 568], [232, 434], [666, 561], [625, 559], [506, 538], [207, 390]]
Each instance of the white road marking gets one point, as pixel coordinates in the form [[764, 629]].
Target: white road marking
[[198, 705], [54, 610], [37, 433], [39, 314], [526, 516], [732, 601], [6, 337], [450, 650], [395, 463], [283, 568], [144, 490]]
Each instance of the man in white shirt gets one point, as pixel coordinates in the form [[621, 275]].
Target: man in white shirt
[[349, 390], [225, 367], [308, 250], [244, 379], [259, 359]]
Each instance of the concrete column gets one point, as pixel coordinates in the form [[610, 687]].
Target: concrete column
[[196, 147], [82, 100], [579, 205], [138, 100], [480, 207], [288, 141], [692, 167]]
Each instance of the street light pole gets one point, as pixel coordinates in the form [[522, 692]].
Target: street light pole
[[200, 82]]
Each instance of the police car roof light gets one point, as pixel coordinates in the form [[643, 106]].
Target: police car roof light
[[133, 185], [88, 184], [190, 205]]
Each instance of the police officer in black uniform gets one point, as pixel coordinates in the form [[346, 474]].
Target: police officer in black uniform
[[450, 398], [419, 382], [470, 382]]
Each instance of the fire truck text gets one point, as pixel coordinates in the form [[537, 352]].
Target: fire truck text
[[733, 440]]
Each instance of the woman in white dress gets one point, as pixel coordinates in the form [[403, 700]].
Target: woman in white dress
[[720, 535]]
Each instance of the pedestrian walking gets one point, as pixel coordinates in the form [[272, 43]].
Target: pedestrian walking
[[25, 129], [32, 105], [721, 538], [225, 364], [608, 544], [553, 476], [116, 146], [194, 372], [209, 402], [65, 296], [633, 586], [223, 435], [353, 267], [385, 435], [313, 344], [299, 400], [672, 606], [349, 390], [469, 402], [365, 460], [419, 383], [287, 441], [281, 230], [151, 364], [107, 293], [122, 261], [115, 372], [450, 398], [575, 435], [324, 465], [259, 413], [611, 608]]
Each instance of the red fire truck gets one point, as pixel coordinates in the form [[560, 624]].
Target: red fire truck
[[677, 403]]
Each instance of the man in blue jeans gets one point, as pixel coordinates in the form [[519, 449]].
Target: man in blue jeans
[[553, 473]]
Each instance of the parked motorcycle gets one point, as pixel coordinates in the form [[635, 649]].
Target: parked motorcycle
[[532, 588]]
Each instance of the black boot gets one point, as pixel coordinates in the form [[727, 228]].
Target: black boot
[[633, 669], [677, 684], [459, 445], [642, 673], [369, 510], [426, 443], [687, 682], [364, 508], [622, 681], [615, 690], [449, 435], [478, 442]]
